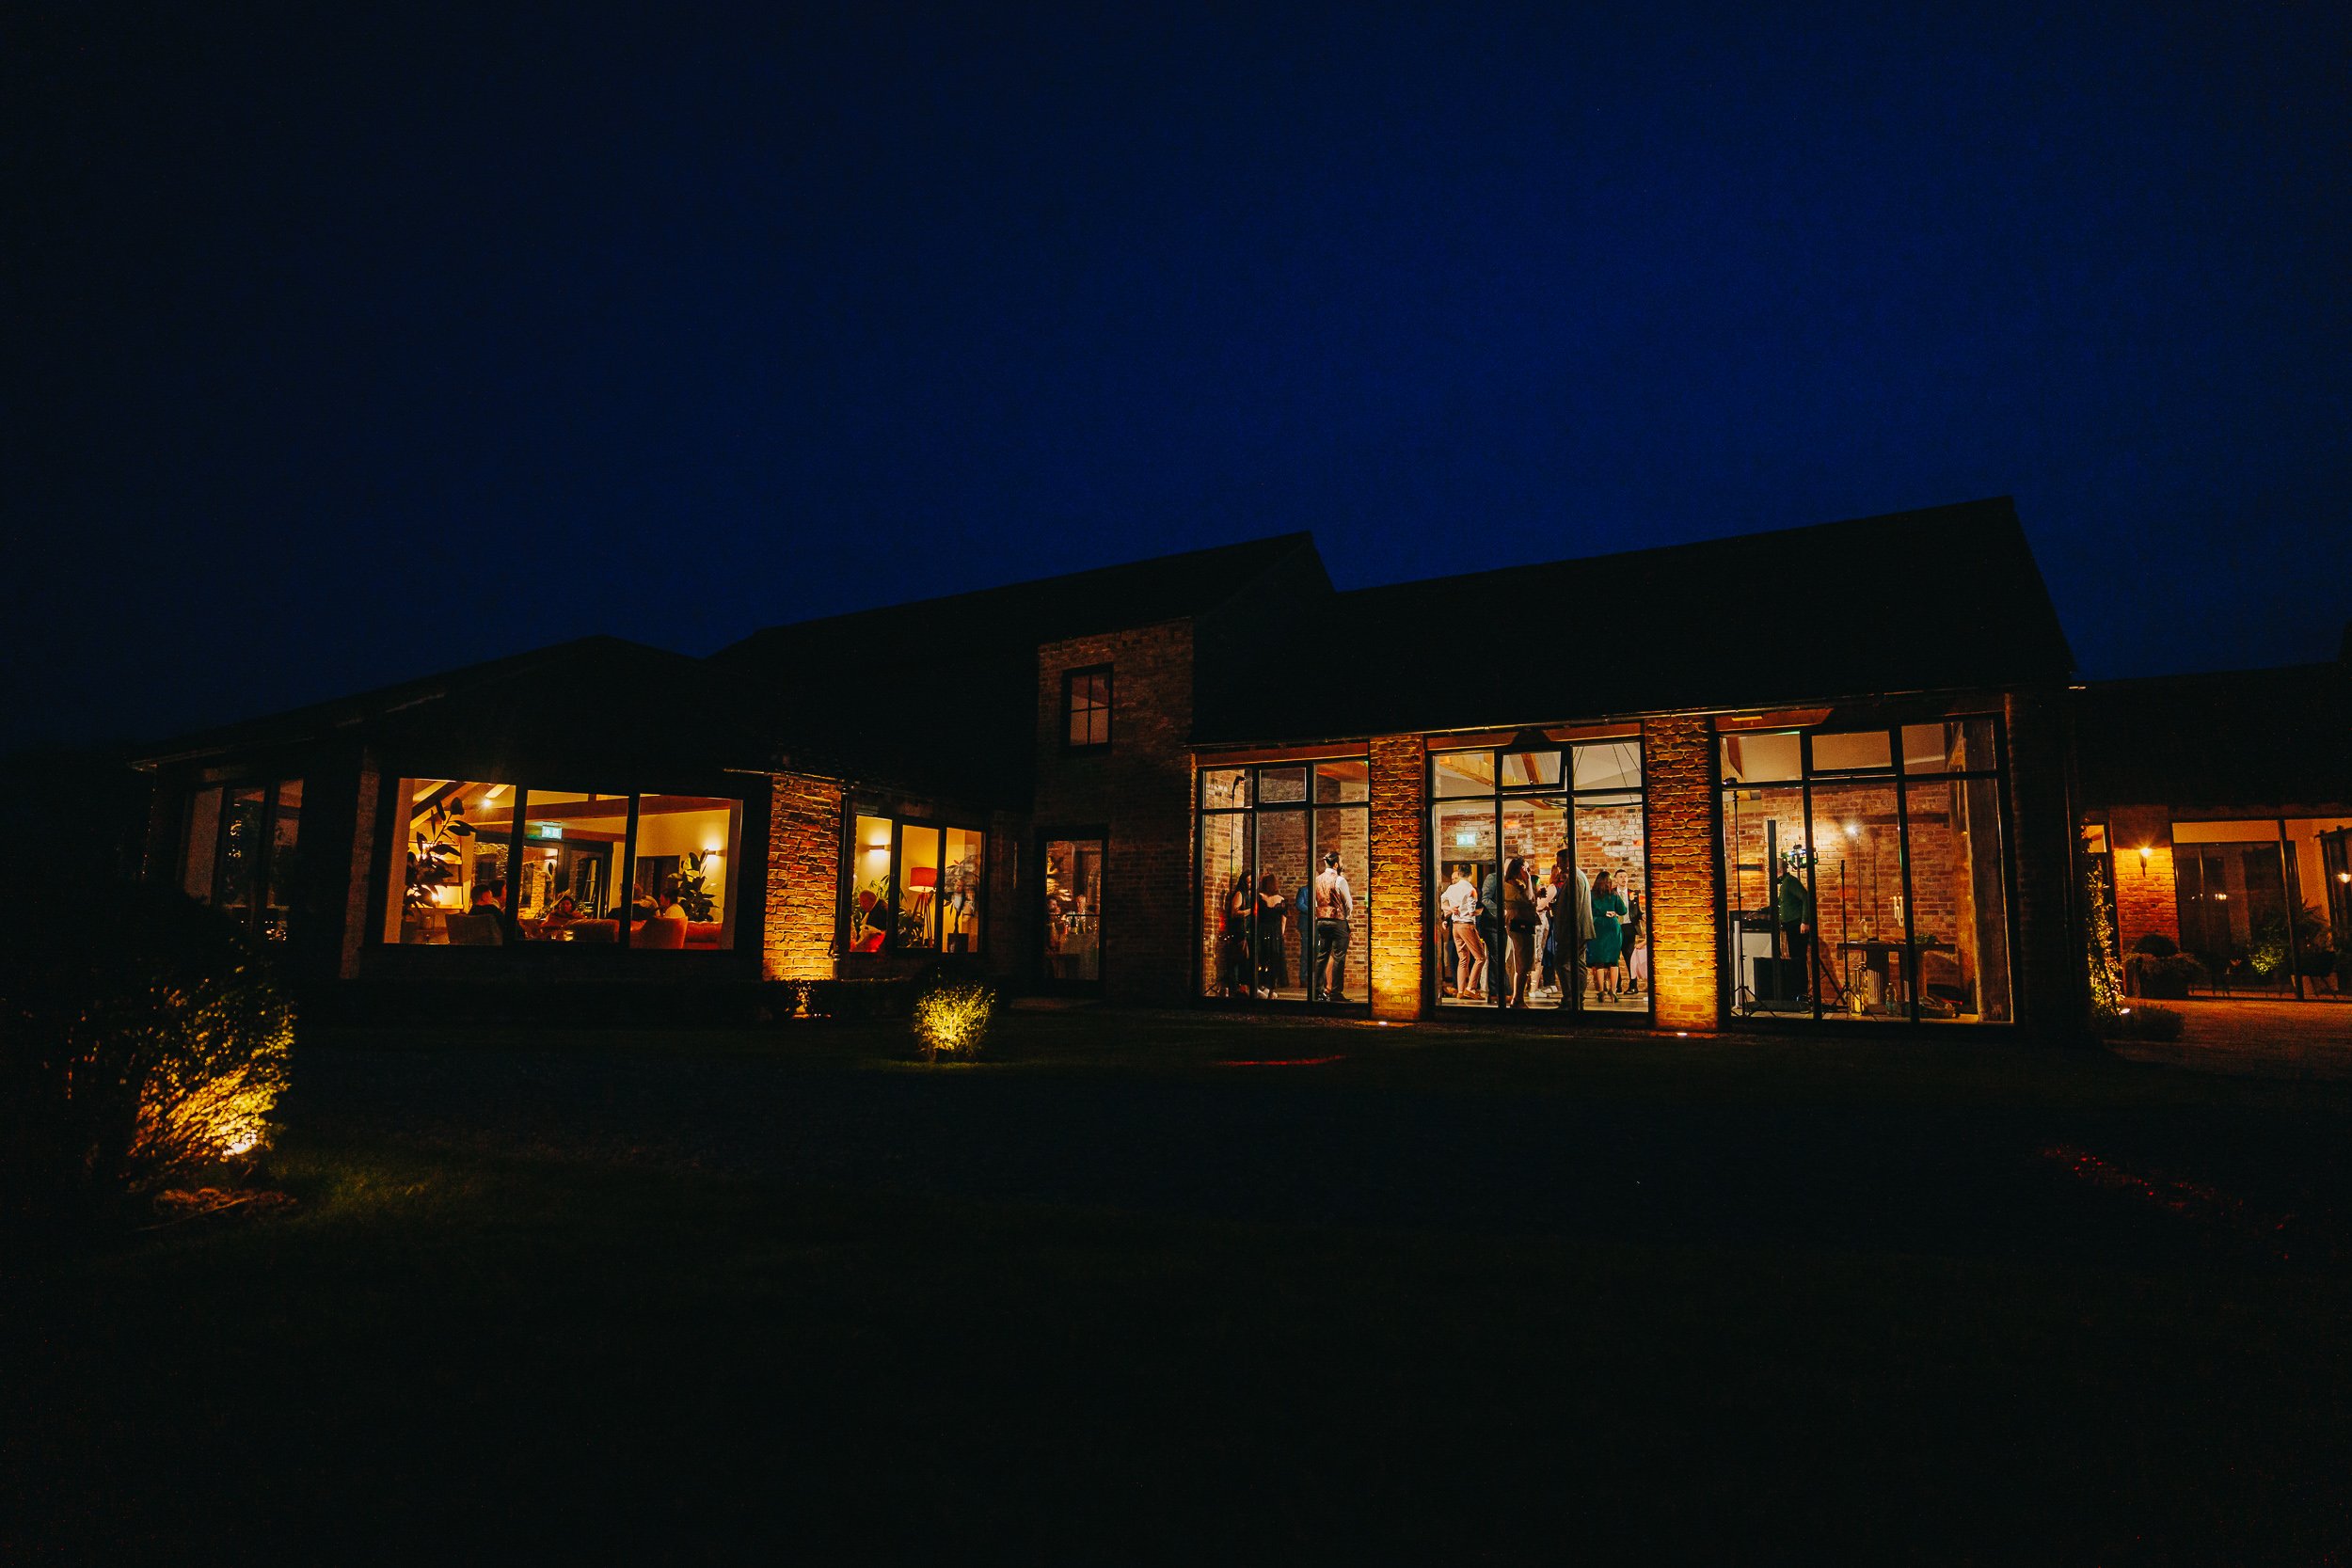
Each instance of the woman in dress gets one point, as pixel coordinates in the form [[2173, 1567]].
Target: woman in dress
[[1608, 936], [1233, 939], [1274, 970]]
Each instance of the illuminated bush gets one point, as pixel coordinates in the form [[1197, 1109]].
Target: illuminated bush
[[140, 1039], [954, 1019]]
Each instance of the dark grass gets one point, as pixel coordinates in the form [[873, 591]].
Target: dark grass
[[446, 1352]]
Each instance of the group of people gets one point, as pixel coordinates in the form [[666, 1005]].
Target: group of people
[[1567, 933], [1253, 954]]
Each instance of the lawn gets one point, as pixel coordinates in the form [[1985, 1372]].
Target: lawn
[[1448, 1297]]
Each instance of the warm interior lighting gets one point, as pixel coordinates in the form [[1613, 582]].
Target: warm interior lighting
[[492, 793]]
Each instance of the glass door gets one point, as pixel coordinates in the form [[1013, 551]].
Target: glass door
[[1071, 949]]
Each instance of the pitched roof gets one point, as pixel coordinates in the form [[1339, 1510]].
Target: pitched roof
[[2225, 739], [570, 698], [1044, 609], [1943, 598], [942, 694]]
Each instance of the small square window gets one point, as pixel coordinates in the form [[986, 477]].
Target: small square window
[[1086, 707]]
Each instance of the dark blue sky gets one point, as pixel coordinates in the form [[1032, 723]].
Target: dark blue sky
[[348, 350]]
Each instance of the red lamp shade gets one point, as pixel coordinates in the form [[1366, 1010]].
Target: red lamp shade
[[923, 877]]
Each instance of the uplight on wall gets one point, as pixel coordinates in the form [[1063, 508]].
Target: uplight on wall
[[2145, 850]]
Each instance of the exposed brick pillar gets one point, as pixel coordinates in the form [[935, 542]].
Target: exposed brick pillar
[[2053, 990], [364, 898], [1682, 871], [803, 877], [1398, 895], [2145, 898]]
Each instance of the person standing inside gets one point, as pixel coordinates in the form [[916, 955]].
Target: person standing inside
[[1793, 909], [1608, 936], [1274, 970], [1518, 924], [1335, 906], [1460, 908]]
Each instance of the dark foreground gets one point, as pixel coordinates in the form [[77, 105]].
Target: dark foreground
[[1446, 1299]]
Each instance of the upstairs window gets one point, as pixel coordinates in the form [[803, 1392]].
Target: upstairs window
[[1086, 700]]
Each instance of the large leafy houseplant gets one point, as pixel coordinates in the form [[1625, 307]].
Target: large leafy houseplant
[[436, 848]]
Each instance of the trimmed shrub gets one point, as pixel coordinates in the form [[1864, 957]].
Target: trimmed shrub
[[2156, 946], [954, 1019], [141, 1040]]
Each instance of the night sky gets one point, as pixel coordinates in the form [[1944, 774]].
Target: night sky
[[344, 350]]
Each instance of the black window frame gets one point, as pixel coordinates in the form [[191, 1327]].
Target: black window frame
[[1564, 791], [264, 870], [900, 820], [1070, 680], [1257, 806], [1900, 777], [394, 815]]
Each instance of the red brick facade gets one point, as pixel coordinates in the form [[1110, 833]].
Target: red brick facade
[[2145, 901], [804, 889], [1678, 760], [1398, 888], [1139, 789]]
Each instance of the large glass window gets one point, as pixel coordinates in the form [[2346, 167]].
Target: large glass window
[[239, 852], [1539, 878], [453, 853], [484, 863], [568, 865], [1284, 872], [916, 886], [1863, 873], [682, 872]]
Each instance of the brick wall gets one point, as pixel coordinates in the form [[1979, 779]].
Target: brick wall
[[2052, 992], [803, 877], [2145, 898], [1399, 876], [364, 898], [1140, 790], [1676, 756]]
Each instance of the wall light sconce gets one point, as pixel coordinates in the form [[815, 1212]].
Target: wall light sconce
[[1853, 829], [2145, 850], [2222, 897], [2344, 876]]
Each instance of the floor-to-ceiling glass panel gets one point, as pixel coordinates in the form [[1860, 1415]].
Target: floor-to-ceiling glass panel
[[1227, 893], [1765, 899], [1341, 973], [2231, 905], [1462, 849], [1855, 957], [566, 864], [1535, 832], [1280, 939], [1074, 910], [285, 854], [918, 888], [449, 870], [963, 881], [1612, 852], [868, 914], [241, 852], [1958, 904]]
